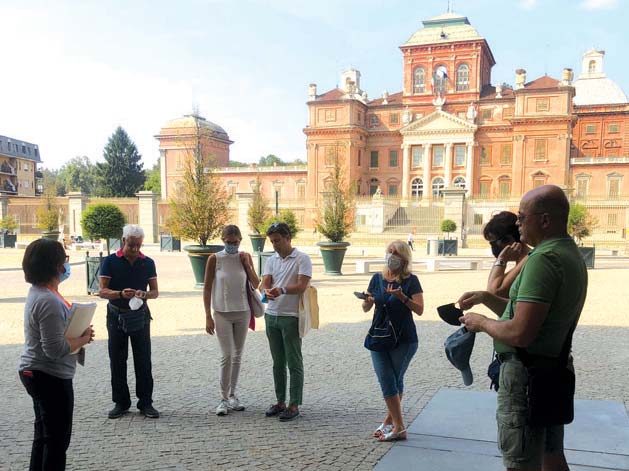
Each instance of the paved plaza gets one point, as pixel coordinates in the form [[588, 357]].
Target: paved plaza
[[342, 401]]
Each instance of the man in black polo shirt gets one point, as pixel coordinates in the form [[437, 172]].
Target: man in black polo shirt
[[124, 277]]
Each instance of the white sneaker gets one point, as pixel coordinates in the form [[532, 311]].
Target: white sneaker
[[235, 404], [221, 409]]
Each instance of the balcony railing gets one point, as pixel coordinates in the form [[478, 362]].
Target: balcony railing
[[598, 160]]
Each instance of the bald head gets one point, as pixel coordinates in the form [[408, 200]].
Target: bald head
[[552, 200]]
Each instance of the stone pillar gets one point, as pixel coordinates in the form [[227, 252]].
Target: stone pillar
[[77, 202], [454, 205], [447, 170], [4, 206], [406, 164], [243, 201], [469, 168], [147, 211], [377, 214], [427, 168]]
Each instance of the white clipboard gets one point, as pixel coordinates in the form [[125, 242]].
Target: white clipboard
[[81, 315]]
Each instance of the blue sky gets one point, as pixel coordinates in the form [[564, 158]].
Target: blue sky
[[72, 71]]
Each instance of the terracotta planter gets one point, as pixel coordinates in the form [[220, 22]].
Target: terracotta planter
[[198, 255], [333, 254]]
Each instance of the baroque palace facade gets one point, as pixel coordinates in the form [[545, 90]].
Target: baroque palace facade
[[448, 127]]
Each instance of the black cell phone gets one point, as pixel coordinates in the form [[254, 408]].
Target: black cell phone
[[450, 313], [360, 295]]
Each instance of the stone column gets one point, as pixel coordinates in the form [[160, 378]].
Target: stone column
[[406, 163], [447, 170], [4, 206], [243, 201], [469, 167], [147, 215], [77, 202], [427, 167], [454, 209]]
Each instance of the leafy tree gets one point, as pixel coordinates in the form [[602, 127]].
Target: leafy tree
[[103, 221], [199, 209], [297, 162], [448, 225], [269, 160], [121, 174], [235, 163], [154, 180], [580, 222], [48, 215], [79, 174], [8, 223], [259, 210], [286, 216], [338, 205], [52, 182]]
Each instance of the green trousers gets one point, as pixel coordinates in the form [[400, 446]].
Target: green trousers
[[285, 344]]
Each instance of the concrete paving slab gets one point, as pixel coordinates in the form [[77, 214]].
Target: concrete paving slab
[[458, 426]]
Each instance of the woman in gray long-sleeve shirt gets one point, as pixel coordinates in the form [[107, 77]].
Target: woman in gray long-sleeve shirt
[[46, 365]]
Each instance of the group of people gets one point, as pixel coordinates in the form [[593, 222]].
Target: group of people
[[538, 303]]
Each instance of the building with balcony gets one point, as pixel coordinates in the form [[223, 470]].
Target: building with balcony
[[19, 175]]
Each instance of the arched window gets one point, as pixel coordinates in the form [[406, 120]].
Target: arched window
[[440, 80], [437, 187], [374, 184], [462, 78], [417, 188], [592, 67], [419, 80], [459, 182]]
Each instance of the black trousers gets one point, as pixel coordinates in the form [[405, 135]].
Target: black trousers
[[53, 402], [119, 352]]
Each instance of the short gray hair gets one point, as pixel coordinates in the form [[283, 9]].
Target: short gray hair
[[132, 230]]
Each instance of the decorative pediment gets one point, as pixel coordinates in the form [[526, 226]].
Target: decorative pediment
[[438, 122]]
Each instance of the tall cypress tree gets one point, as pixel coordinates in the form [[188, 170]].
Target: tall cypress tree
[[121, 174]]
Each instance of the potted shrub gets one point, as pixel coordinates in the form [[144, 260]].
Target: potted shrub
[[448, 246], [103, 221], [286, 216], [580, 225], [8, 238], [257, 216], [199, 210], [337, 219], [48, 217]]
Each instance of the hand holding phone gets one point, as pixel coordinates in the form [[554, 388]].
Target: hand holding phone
[[360, 295]]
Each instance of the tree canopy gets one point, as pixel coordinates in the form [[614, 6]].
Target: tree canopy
[[121, 175], [78, 174], [154, 180]]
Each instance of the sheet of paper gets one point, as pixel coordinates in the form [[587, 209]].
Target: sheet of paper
[[81, 315]]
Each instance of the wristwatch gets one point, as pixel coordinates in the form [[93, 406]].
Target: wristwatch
[[500, 263], [283, 290]]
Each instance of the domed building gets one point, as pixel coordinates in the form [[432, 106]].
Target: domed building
[[178, 140]]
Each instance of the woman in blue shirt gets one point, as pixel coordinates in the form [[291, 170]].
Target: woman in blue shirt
[[396, 293]]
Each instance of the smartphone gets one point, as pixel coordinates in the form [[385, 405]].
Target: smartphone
[[360, 295]]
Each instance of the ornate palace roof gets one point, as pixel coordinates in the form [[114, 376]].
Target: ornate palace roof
[[445, 28]]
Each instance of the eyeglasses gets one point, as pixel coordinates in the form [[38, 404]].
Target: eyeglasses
[[521, 217], [67, 258]]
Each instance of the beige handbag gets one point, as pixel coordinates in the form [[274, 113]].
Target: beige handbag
[[308, 311]]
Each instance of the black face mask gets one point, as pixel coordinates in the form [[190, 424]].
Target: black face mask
[[495, 250]]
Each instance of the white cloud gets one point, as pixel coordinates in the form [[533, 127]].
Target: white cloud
[[598, 4], [528, 4]]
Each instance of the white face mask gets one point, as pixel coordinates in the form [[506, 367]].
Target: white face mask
[[394, 262]]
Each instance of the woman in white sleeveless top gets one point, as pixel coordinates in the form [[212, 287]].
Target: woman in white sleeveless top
[[225, 293]]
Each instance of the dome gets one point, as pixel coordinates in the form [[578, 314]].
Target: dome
[[188, 121], [445, 28], [598, 91]]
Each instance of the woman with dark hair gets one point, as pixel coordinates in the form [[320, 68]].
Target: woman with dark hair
[[47, 365], [225, 291], [504, 238]]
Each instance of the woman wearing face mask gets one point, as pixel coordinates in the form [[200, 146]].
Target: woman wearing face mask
[[46, 366], [397, 292], [504, 238], [224, 291]]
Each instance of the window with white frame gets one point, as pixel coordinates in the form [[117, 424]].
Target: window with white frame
[[437, 187], [417, 188], [419, 80], [459, 156], [462, 78], [459, 183], [418, 152], [437, 156]]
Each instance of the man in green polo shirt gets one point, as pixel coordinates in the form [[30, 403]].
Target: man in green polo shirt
[[544, 305]]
